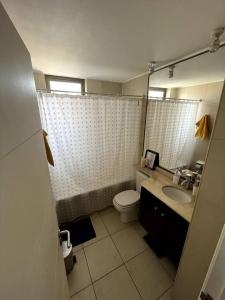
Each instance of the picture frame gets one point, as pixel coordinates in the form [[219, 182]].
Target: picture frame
[[152, 159]]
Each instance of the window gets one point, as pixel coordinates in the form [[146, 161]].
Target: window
[[62, 85], [156, 92]]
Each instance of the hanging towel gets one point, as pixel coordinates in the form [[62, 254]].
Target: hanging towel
[[48, 150], [202, 131]]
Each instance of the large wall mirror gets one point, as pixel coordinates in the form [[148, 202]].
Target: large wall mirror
[[177, 103]]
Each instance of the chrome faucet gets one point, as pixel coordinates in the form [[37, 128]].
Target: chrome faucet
[[190, 177], [186, 183]]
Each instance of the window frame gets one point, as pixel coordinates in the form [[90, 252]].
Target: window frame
[[164, 90], [48, 78]]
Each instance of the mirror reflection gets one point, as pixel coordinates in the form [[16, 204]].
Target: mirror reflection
[[182, 108]]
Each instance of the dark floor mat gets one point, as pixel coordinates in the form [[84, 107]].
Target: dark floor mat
[[80, 231]]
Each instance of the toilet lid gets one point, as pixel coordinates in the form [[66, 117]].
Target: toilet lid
[[127, 198]]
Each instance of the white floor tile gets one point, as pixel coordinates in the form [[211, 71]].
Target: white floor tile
[[117, 285], [112, 222], [169, 267], [129, 243], [99, 228], [149, 276], [77, 248], [106, 211], [166, 296], [79, 278], [102, 257], [86, 294], [139, 229]]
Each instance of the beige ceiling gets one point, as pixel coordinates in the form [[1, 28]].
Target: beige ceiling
[[209, 67], [112, 39]]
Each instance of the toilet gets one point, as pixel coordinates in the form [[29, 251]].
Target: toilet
[[127, 202]]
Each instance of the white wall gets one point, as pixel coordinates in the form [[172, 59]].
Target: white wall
[[103, 87], [214, 283], [91, 85], [208, 218], [137, 86], [31, 262], [39, 79], [210, 95]]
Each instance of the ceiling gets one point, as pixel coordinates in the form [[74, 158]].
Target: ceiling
[[209, 67], [112, 39]]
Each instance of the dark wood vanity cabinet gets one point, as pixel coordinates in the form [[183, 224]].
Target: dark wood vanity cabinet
[[166, 229]]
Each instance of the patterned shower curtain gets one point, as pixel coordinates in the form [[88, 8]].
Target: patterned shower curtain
[[170, 131], [94, 141]]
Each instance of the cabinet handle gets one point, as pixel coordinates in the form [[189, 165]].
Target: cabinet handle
[[156, 208], [162, 215]]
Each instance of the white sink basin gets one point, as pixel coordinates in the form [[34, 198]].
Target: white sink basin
[[176, 194]]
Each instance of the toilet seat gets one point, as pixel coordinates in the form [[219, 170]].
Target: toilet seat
[[127, 198]]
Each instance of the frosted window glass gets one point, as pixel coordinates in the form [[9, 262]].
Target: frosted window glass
[[64, 86]]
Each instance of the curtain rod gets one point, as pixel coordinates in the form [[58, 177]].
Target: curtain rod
[[117, 95], [166, 99], [178, 61], [87, 93]]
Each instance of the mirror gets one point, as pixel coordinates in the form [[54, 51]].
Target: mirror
[[172, 113]]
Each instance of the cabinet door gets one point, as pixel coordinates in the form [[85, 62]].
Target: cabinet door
[[166, 229], [146, 210], [154, 218], [177, 231]]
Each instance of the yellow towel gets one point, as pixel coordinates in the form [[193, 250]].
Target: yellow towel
[[48, 150], [202, 131]]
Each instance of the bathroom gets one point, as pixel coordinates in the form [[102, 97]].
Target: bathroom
[[112, 151]]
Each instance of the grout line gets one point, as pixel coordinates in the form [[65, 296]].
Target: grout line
[[167, 272], [94, 242], [127, 269], [110, 234], [89, 273], [104, 223], [81, 290], [158, 298], [135, 256], [108, 273], [133, 282], [125, 262], [122, 264]]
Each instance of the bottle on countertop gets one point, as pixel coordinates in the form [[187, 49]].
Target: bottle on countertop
[[196, 185], [176, 176]]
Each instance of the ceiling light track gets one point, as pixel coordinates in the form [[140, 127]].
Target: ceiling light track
[[216, 35], [216, 44]]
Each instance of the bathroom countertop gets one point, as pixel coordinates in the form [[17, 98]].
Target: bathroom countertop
[[154, 185]]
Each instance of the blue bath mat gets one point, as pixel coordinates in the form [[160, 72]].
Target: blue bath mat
[[80, 231]]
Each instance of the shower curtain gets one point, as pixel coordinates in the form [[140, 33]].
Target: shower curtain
[[95, 145], [170, 131]]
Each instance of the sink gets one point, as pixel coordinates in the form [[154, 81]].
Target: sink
[[176, 194]]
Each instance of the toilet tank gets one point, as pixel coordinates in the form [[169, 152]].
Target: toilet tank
[[140, 177]]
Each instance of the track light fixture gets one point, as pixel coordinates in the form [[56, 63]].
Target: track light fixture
[[171, 70], [215, 44], [151, 67]]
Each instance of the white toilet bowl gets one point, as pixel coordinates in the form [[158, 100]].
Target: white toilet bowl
[[127, 205], [126, 202]]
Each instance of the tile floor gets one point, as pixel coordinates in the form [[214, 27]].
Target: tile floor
[[118, 264]]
